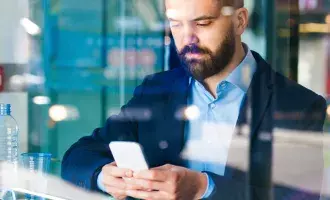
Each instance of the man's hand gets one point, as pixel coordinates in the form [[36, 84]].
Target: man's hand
[[167, 182], [113, 180]]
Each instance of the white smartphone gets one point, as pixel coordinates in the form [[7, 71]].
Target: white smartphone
[[129, 155]]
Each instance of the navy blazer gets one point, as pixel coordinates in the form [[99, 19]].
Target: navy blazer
[[271, 97]]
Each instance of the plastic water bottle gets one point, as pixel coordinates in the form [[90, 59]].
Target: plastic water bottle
[[8, 135], [8, 143]]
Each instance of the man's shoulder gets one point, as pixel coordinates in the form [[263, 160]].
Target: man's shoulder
[[297, 107], [287, 92], [293, 93]]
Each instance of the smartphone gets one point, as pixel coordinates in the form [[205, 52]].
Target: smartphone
[[129, 155]]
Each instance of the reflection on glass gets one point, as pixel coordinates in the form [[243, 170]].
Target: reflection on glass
[[63, 113], [37, 163], [87, 57]]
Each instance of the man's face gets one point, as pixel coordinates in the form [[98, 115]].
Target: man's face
[[204, 37]]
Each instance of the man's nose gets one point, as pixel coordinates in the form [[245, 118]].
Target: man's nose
[[190, 36]]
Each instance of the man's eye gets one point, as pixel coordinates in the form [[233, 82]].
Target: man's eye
[[204, 23]]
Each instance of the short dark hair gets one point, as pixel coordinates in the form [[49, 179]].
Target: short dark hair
[[233, 3]]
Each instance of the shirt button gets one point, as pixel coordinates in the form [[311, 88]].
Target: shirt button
[[213, 105]]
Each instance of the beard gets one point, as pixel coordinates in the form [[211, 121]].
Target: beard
[[210, 63]]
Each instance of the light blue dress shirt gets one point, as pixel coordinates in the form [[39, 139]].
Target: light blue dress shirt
[[223, 109]]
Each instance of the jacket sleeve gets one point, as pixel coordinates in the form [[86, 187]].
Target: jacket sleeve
[[230, 189], [314, 122], [84, 160]]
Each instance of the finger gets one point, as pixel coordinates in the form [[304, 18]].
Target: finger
[[147, 184], [119, 197], [147, 195], [153, 175], [115, 192], [119, 183], [114, 182], [163, 167], [115, 171]]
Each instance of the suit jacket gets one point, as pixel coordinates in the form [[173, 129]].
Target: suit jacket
[[149, 118]]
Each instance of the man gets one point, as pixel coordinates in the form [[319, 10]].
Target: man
[[207, 35]]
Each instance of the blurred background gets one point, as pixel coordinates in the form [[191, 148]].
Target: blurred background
[[67, 65]]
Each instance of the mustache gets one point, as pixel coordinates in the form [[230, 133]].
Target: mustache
[[194, 49]]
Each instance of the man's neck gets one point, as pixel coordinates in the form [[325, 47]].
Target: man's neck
[[211, 83]]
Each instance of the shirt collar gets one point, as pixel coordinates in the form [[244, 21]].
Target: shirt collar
[[242, 75]]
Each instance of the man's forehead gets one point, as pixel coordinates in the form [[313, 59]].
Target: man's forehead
[[191, 3], [177, 9], [209, 3]]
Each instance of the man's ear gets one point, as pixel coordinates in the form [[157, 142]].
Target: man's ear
[[241, 20]]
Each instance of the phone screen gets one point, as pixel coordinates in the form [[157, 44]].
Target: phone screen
[[129, 155]]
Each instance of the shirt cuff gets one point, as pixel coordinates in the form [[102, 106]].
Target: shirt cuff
[[210, 187], [100, 183]]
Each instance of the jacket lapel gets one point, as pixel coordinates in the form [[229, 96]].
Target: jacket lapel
[[258, 95], [173, 116], [258, 100]]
